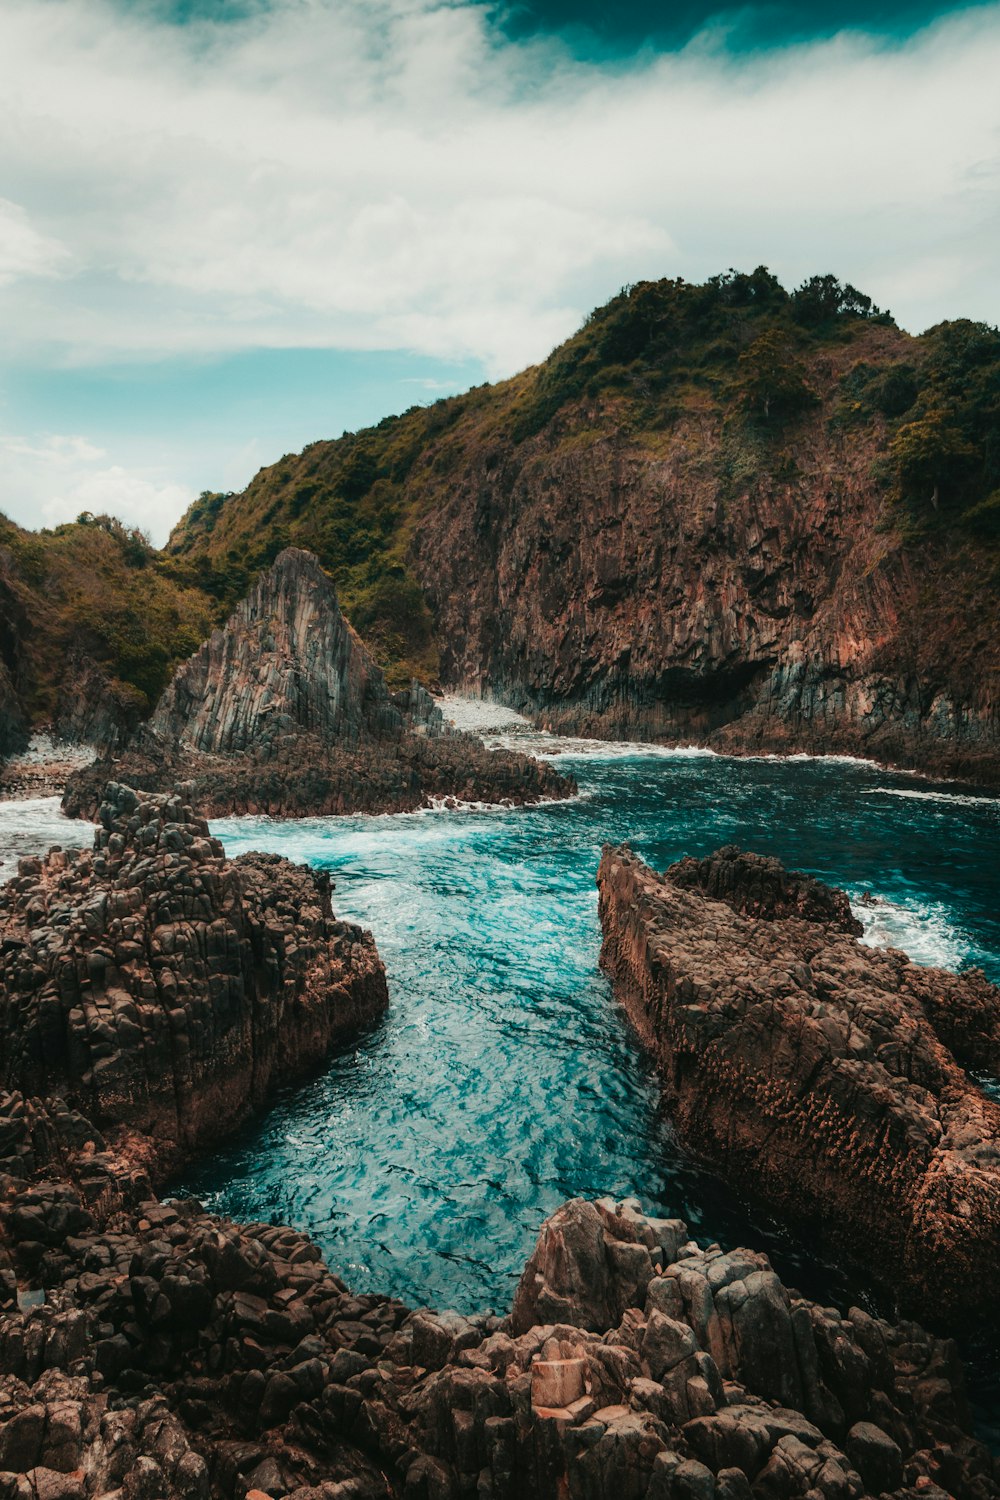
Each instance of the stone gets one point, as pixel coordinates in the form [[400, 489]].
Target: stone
[[875, 1456], [168, 990], [559, 1382], [284, 712], [820, 1076]]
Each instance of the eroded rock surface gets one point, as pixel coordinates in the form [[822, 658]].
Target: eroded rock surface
[[166, 989], [286, 659], [149, 1349], [822, 1076], [284, 712]]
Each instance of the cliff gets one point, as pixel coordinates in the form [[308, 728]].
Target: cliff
[[825, 1078], [284, 712], [167, 991], [719, 513]]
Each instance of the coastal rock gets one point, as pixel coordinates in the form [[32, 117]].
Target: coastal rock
[[297, 775], [284, 713], [819, 1075], [159, 1351], [287, 659], [167, 990], [641, 588]]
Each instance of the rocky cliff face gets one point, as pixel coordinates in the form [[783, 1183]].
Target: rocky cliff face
[[286, 660], [152, 1350], [166, 990], [618, 591], [13, 720], [629, 540], [824, 1077]]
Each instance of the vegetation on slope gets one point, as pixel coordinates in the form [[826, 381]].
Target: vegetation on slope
[[740, 349], [96, 588]]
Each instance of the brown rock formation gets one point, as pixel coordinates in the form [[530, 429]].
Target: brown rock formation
[[167, 990], [151, 1349], [636, 588], [284, 712], [287, 659], [821, 1076]]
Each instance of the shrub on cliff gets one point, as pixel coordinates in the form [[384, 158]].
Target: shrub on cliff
[[97, 588], [770, 381], [946, 454]]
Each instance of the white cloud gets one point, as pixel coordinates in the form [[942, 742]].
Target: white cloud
[[23, 250], [387, 174], [48, 479]]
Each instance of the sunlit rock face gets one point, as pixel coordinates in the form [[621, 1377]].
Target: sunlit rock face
[[826, 1077]]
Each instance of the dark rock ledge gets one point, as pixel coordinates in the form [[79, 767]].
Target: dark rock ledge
[[818, 1075], [166, 990]]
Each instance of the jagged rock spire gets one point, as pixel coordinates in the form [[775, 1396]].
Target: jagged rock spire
[[286, 659]]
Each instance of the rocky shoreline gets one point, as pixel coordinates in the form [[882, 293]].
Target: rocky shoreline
[[166, 990], [284, 713], [155, 994], [822, 1078], [150, 1350], [298, 776]]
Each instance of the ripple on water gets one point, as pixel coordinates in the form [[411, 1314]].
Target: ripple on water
[[504, 1079]]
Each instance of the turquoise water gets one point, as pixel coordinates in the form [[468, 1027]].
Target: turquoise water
[[504, 1079]]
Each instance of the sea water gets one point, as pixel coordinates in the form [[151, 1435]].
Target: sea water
[[504, 1078]]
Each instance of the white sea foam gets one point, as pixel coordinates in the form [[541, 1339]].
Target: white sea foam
[[923, 930], [959, 799], [32, 825]]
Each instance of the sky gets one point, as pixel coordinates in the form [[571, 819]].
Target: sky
[[230, 227]]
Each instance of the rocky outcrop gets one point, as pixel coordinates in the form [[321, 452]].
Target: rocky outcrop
[[287, 659], [285, 713], [757, 886], [298, 776], [150, 1349], [167, 990], [821, 1076]]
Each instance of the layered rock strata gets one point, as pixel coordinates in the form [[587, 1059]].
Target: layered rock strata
[[819, 1075], [167, 990], [284, 712], [151, 1350], [287, 659]]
